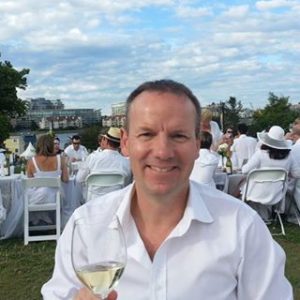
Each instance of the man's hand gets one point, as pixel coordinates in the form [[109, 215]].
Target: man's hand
[[86, 294]]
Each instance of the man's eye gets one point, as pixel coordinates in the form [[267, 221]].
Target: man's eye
[[145, 134], [180, 137]]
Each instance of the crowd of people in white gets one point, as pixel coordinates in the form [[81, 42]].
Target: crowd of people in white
[[271, 148]]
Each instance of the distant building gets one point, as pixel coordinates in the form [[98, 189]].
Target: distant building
[[117, 118], [118, 109], [60, 122], [40, 108]]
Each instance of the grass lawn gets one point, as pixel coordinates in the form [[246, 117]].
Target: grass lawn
[[23, 269]]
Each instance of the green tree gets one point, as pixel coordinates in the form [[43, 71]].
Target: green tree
[[89, 136], [10, 105], [276, 112], [232, 112]]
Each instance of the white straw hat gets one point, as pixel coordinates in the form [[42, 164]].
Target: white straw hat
[[274, 138], [113, 134]]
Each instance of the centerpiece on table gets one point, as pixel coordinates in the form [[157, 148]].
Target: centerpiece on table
[[223, 151]]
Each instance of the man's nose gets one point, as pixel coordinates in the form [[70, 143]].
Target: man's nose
[[164, 148]]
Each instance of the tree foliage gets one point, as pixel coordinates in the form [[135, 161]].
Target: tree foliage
[[89, 136], [10, 104], [276, 112], [232, 112]]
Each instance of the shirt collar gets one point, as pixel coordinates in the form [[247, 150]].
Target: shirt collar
[[196, 208]]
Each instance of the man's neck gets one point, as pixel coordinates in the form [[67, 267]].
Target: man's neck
[[155, 219]]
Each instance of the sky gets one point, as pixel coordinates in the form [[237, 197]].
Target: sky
[[93, 53]]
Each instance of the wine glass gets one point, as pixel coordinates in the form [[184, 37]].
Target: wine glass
[[98, 252]]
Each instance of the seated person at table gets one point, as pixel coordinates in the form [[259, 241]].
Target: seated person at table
[[184, 240], [57, 149], [243, 146], [207, 162], [45, 164], [76, 151], [108, 159], [207, 124], [274, 152]]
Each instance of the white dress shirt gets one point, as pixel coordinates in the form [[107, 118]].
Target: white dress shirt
[[79, 154], [205, 167], [219, 250], [106, 159], [243, 148], [295, 155]]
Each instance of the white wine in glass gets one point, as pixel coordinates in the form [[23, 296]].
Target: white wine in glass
[[98, 253]]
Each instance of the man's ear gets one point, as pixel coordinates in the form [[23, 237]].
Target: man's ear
[[124, 142]]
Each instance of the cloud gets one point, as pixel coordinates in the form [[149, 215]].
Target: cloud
[[92, 53], [266, 5]]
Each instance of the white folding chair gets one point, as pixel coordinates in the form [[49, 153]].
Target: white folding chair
[[100, 183], [267, 186], [28, 208]]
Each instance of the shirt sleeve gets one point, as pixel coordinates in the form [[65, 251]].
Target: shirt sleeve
[[261, 269], [64, 283], [253, 163]]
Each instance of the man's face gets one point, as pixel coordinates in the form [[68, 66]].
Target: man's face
[[161, 142], [76, 144]]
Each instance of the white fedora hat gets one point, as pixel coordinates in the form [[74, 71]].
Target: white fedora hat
[[274, 138]]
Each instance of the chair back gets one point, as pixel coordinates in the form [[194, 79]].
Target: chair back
[[266, 185], [54, 182], [49, 182], [100, 183]]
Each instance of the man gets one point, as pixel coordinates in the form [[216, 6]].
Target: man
[[294, 184], [109, 158], [243, 147], [184, 240], [75, 151]]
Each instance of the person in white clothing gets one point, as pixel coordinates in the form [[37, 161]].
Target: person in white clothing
[[46, 163], [274, 152], [184, 240], [294, 183], [243, 147], [109, 158], [207, 124], [206, 164], [76, 151]]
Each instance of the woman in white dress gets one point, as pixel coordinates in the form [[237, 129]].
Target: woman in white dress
[[207, 124], [45, 164]]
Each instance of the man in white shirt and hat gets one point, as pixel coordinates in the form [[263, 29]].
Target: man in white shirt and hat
[[184, 240], [108, 159]]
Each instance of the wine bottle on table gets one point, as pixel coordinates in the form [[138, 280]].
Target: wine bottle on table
[[228, 165]]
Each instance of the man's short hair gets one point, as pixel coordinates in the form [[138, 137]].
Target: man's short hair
[[75, 137], [165, 86], [242, 128], [206, 139]]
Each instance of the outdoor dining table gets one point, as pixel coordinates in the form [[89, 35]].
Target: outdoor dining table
[[12, 192], [235, 180]]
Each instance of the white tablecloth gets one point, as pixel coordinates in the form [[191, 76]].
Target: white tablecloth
[[12, 197], [12, 193], [235, 181]]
